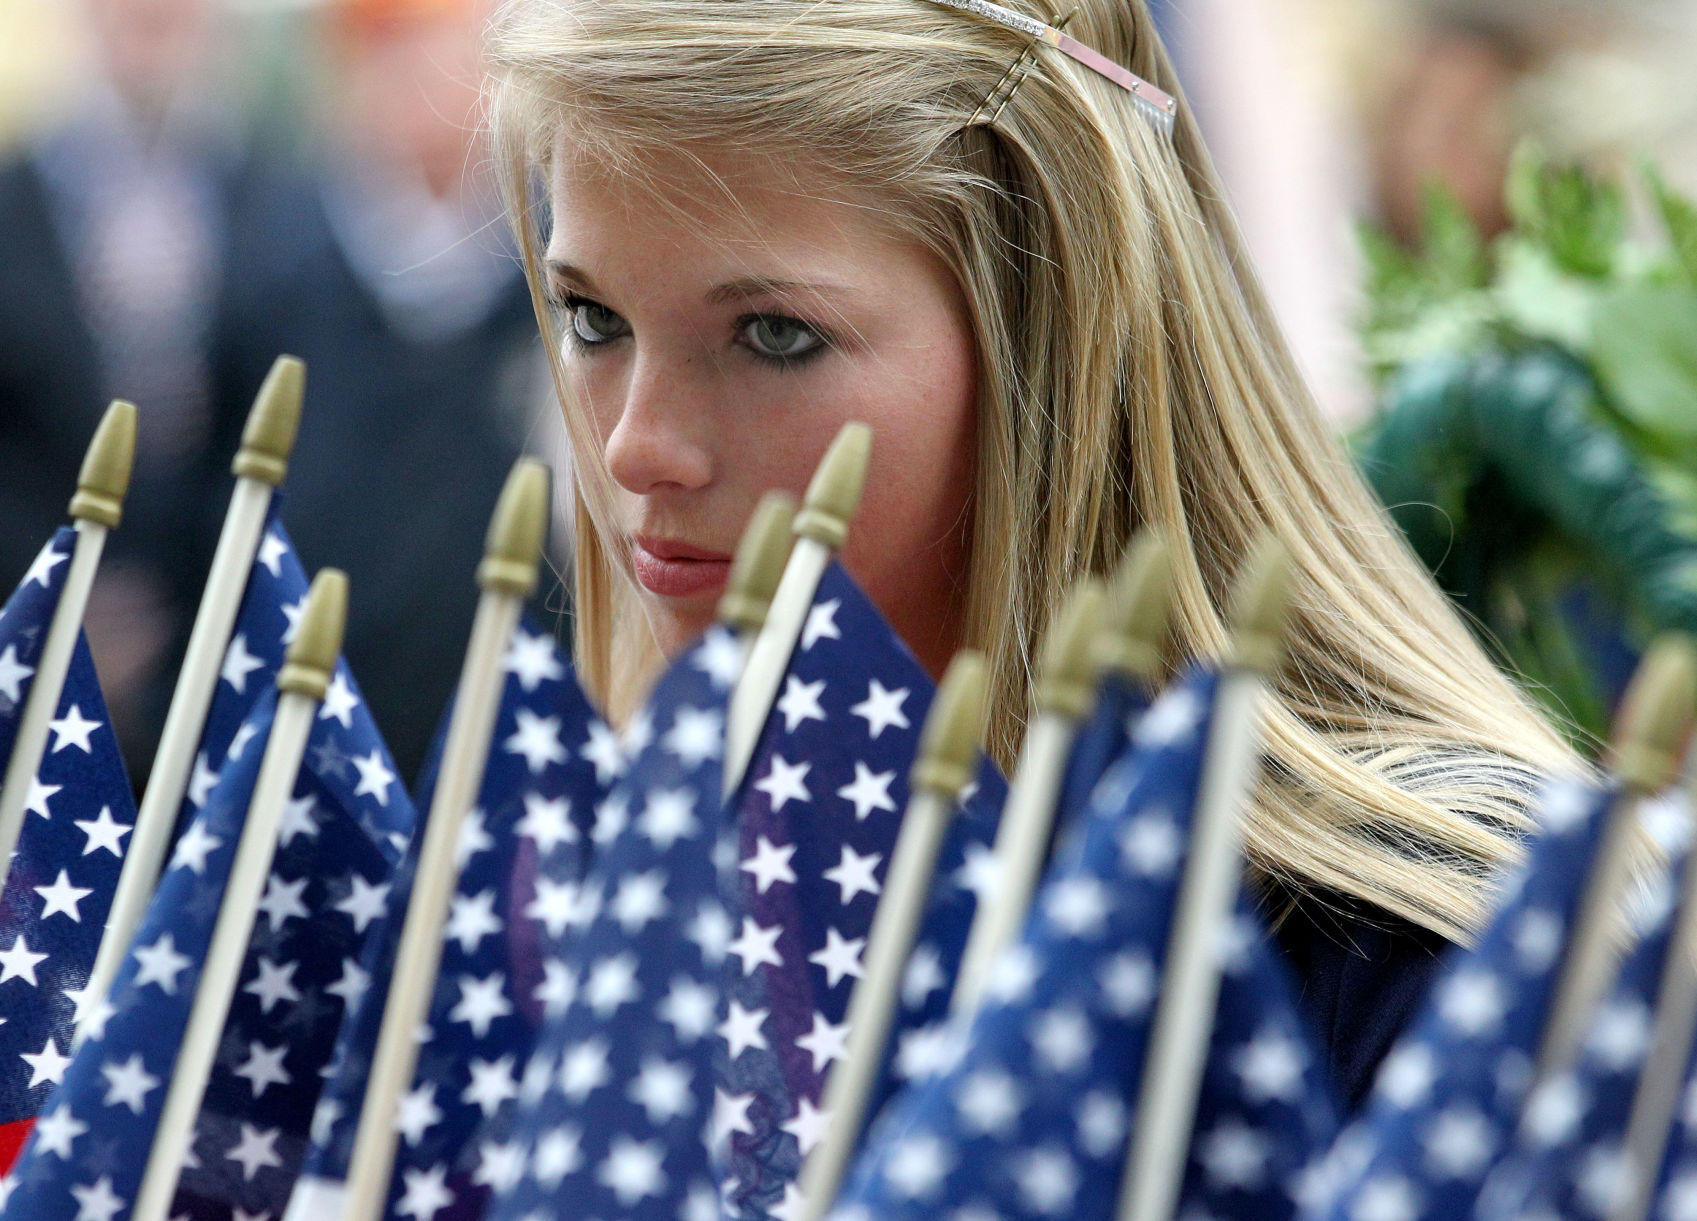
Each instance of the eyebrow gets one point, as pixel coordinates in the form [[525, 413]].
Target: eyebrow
[[743, 287]]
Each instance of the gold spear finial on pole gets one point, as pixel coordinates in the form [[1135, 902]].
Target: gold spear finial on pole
[[759, 564], [512, 550], [1135, 618], [104, 479], [268, 438], [834, 493]]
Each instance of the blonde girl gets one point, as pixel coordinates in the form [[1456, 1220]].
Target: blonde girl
[[747, 221]]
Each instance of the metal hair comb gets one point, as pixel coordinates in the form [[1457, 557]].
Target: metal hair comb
[[1158, 107]]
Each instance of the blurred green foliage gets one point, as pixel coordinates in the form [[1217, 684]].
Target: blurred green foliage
[[1536, 436]]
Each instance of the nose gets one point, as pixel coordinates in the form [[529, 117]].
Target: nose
[[660, 439]]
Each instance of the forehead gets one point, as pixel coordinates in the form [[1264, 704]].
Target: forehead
[[734, 201]]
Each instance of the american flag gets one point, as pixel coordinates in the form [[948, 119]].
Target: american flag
[[1448, 1098], [615, 1106], [70, 850], [341, 836], [1031, 1118], [1568, 1157], [522, 853], [816, 820]]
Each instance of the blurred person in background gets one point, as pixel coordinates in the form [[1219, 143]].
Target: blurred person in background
[[386, 270], [114, 239]]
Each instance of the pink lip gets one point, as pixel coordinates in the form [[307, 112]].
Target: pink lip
[[676, 569]]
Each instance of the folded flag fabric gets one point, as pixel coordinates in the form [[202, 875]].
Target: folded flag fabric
[[816, 821], [618, 1103], [272, 603], [1031, 1119], [1102, 738], [522, 856], [70, 851], [1568, 1157], [340, 839], [1448, 1097]]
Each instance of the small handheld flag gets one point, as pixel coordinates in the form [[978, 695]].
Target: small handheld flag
[[507, 575], [820, 530], [184, 742], [948, 753], [78, 815], [341, 833]]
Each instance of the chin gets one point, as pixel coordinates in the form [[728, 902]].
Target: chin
[[678, 627]]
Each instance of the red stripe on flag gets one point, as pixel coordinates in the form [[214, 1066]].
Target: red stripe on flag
[[12, 1138]]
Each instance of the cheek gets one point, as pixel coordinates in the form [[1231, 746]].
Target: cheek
[[910, 540]]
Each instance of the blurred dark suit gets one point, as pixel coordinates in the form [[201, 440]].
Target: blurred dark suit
[[421, 385]]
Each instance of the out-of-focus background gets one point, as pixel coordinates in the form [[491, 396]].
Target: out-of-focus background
[[189, 187]]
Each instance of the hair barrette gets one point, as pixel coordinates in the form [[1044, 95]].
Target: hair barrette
[[1159, 107]]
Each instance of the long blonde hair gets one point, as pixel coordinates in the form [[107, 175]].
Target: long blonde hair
[[1130, 373]]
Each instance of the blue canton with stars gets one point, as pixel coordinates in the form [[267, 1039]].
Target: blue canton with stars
[[816, 820], [1030, 1116], [70, 850], [522, 852], [1567, 1158], [341, 837], [617, 1106], [1457, 1082]]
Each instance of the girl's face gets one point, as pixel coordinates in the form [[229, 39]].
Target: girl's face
[[719, 349]]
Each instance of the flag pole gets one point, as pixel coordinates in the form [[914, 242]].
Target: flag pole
[[301, 685], [1028, 818], [506, 576], [1135, 616], [757, 568], [1662, 1079], [948, 754], [97, 507], [259, 466], [820, 529], [1656, 713], [1184, 1015]]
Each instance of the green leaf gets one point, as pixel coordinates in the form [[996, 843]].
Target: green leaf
[[1644, 350], [1679, 218], [1452, 252], [1523, 191], [1579, 219], [1541, 298]]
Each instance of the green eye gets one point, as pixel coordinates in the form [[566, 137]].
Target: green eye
[[780, 338], [594, 323]]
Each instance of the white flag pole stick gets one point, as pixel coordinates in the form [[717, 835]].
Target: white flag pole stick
[[1655, 715], [948, 757], [1022, 837], [758, 567], [1662, 1079], [259, 466], [820, 529], [506, 576], [301, 684], [1190, 986], [97, 507]]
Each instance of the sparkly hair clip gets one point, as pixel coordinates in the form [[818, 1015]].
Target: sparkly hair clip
[[1158, 107]]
